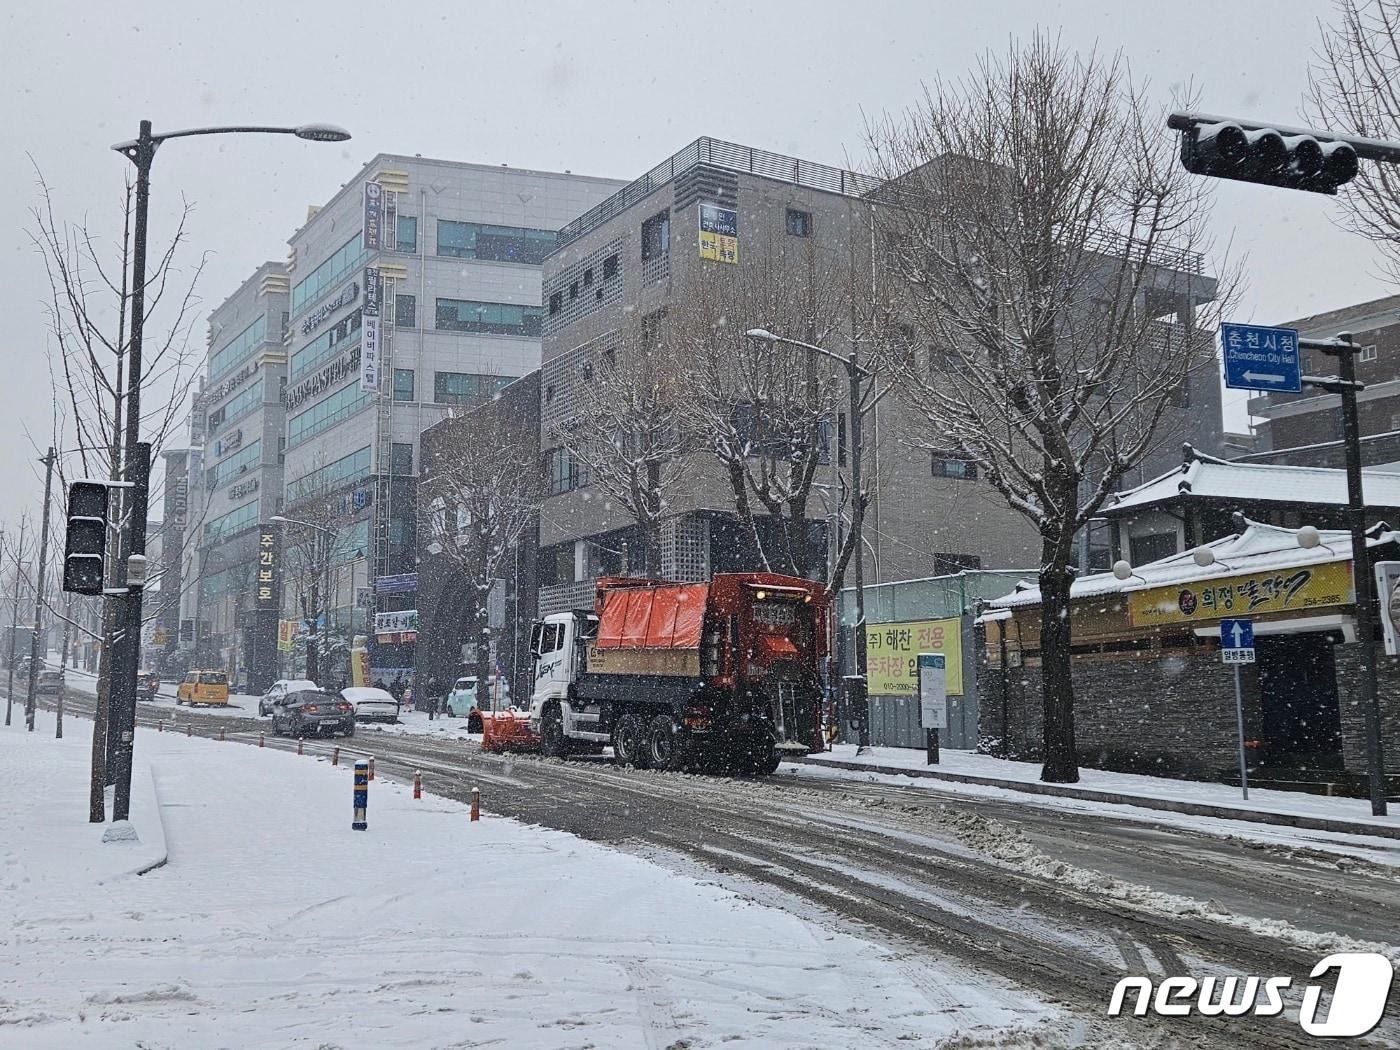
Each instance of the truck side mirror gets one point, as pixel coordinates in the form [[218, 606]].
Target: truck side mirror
[[534, 654]]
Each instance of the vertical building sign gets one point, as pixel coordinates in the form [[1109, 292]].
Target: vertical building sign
[[374, 217], [369, 331], [269, 567], [719, 233]]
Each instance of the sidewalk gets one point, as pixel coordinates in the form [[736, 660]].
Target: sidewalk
[[1195, 798]]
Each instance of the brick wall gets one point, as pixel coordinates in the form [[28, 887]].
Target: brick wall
[[1173, 713], [1349, 664]]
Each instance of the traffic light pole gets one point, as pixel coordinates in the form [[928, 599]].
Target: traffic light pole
[[36, 651], [1347, 387]]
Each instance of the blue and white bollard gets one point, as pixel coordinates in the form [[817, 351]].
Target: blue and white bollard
[[361, 796]]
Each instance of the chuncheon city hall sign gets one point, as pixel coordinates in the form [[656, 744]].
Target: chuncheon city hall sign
[[1251, 594]]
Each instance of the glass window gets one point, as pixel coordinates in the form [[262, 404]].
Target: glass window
[[799, 223], [332, 475], [556, 303], [236, 409], [466, 315], [462, 388], [239, 463], [401, 459], [238, 350], [954, 467], [1152, 547], [407, 233], [564, 473], [234, 521], [405, 311], [403, 384], [656, 236], [325, 414], [319, 280], [1368, 353], [474, 240], [330, 343]]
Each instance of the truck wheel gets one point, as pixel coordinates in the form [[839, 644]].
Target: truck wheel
[[629, 743], [552, 743], [664, 748]]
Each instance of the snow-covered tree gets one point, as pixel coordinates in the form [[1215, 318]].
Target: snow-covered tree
[[481, 492], [1049, 242], [1355, 89], [629, 424]]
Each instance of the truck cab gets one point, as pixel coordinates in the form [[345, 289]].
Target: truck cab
[[558, 645]]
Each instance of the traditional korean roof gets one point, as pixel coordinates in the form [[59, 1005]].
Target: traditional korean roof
[[1258, 548], [1205, 477]]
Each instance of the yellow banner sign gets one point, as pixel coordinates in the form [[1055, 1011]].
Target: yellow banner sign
[[1250, 594], [286, 635], [719, 233], [892, 655]]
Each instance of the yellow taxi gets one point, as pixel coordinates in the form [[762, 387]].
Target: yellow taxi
[[203, 688]]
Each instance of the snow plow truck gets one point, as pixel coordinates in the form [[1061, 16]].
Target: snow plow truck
[[722, 676]]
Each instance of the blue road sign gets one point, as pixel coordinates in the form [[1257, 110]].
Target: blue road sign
[[1237, 641], [1259, 358]]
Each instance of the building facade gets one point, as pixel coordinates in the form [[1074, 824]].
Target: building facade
[[239, 416], [452, 270], [1306, 428]]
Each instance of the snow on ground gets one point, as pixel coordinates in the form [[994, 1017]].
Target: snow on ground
[[1280, 837], [240, 705], [969, 763], [416, 723], [275, 925]]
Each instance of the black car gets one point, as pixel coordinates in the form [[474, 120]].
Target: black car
[[310, 712], [147, 685]]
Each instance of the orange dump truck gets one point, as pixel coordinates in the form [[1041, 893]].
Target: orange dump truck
[[716, 675]]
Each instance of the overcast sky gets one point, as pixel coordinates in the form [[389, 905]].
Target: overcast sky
[[602, 88]]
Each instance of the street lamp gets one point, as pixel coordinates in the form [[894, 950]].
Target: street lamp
[[313, 667], [141, 151], [857, 696]]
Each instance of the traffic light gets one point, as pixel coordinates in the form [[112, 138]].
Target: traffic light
[[87, 538], [1265, 155]]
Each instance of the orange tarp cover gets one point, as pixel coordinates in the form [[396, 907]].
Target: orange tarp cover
[[669, 617]]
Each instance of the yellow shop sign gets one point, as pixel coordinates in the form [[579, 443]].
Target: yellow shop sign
[[1250, 594]]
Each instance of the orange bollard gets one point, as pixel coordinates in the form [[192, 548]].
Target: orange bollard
[[476, 803], [301, 747], [261, 742], [371, 768], [335, 756], [160, 725], [417, 785], [189, 729]]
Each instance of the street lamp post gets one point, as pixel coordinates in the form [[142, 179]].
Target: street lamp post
[[857, 695], [141, 151], [326, 543]]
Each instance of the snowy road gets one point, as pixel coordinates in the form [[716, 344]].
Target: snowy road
[[1056, 901]]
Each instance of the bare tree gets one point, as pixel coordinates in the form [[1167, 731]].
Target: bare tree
[[629, 428], [1354, 88], [766, 412], [484, 492], [88, 314], [1048, 241]]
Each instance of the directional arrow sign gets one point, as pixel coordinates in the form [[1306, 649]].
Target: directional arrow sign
[[1259, 358], [1237, 641]]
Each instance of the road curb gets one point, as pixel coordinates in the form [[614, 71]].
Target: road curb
[[1194, 809]]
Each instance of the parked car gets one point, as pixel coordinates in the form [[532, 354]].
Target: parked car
[[147, 685], [203, 687], [281, 688], [49, 682], [461, 702], [371, 704], [311, 712]]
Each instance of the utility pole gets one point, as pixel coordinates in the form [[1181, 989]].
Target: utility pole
[[63, 661], [14, 621], [37, 650]]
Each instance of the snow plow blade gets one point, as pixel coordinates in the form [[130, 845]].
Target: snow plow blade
[[507, 731]]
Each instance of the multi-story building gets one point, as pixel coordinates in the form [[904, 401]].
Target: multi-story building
[[455, 278], [640, 254], [1306, 428], [240, 416]]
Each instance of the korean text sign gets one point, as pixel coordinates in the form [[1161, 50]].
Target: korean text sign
[[1278, 590], [892, 655]]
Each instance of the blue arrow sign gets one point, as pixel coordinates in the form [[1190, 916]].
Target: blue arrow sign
[[1259, 358], [1237, 634]]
